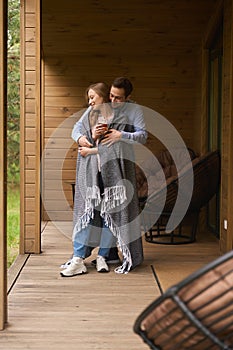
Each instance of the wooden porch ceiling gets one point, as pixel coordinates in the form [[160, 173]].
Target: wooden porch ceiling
[[93, 311], [126, 27]]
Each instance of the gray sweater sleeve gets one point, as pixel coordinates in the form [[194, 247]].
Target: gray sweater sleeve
[[136, 120]]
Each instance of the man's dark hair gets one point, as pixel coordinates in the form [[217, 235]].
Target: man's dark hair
[[123, 83]]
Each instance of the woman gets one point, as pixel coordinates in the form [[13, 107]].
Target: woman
[[97, 95]]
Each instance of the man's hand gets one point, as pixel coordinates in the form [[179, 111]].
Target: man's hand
[[83, 142], [111, 137]]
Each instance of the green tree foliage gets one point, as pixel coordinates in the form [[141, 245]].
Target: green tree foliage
[[13, 103]]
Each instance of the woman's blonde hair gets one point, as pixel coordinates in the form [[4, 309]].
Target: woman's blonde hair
[[101, 88]]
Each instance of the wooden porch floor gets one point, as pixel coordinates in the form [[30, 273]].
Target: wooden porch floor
[[92, 311]]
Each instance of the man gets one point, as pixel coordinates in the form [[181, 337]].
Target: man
[[120, 94]]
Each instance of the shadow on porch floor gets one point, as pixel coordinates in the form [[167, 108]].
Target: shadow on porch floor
[[92, 311]]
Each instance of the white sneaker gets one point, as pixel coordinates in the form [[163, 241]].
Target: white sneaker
[[101, 265], [109, 262], [77, 267]]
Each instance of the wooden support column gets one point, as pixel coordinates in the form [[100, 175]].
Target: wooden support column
[[3, 163], [227, 143], [226, 234], [38, 129], [30, 126]]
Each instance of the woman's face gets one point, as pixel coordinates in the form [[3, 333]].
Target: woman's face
[[94, 98]]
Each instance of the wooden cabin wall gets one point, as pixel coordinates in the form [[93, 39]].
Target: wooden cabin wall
[[156, 44], [223, 11], [65, 83], [163, 64]]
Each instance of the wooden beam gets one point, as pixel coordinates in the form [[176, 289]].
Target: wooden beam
[[3, 164], [30, 124], [38, 130], [226, 219], [228, 109], [22, 129]]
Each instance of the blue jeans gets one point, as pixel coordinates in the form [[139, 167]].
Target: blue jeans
[[81, 242]]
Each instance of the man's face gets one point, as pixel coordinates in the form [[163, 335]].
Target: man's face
[[117, 96]]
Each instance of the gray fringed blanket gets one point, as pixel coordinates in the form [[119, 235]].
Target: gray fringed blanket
[[118, 204]]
